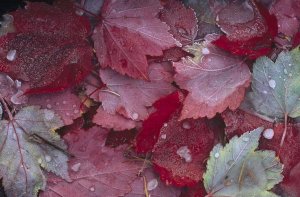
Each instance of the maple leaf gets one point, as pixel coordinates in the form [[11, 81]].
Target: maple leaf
[[276, 86], [65, 104], [28, 142], [121, 92], [149, 133], [239, 122], [249, 32], [182, 21], [150, 182], [236, 170], [128, 32], [96, 170], [116, 122], [50, 53], [215, 80], [286, 13], [181, 149]]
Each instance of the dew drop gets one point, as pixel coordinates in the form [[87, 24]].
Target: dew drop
[[272, 83], [135, 116], [165, 124], [49, 106], [205, 51], [245, 139], [92, 189], [230, 162], [186, 125], [185, 153], [268, 134], [57, 103], [64, 102], [285, 71], [74, 106], [163, 136], [68, 114], [49, 115], [11, 55], [265, 92], [290, 64], [290, 74], [79, 12], [76, 111], [76, 167], [217, 155], [152, 184], [18, 83], [48, 158]]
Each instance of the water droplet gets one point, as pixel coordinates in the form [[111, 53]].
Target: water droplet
[[165, 124], [74, 106], [68, 114], [92, 189], [57, 103], [268, 134], [49, 115], [11, 55], [245, 139], [48, 158], [76, 167], [18, 83], [230, 162], [185, 153], [290, 64], [290, 74], [285, 71], [152, 184], [49, 106], [79, 12], [186, 125], [272, 83], [265, 92], [76, 111], [64, 102], [135, 116], [163, 136], [217, 155], [205, 51]]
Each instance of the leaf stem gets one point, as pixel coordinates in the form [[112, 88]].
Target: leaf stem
[[285, 129]]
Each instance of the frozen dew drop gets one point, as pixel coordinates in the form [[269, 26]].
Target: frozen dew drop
[[185, 153], [76, 167], [18, 83], [64, 102], [76, 111], [285, 71], [290, 64], [245, 139], [205, 51], [57, 103], [68, 114], [268, 134], [49, 106], [265, 92], [217, 155], [163, 136], [290, 74], [152, 184], [48, 158], [272, 83], [49, 115], [165, 124], [74, 106], [135, 116], [79, 12], [186, 125], [11, 55], [92, 189]]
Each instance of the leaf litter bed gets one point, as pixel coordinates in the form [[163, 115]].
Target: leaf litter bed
[[161, 98]]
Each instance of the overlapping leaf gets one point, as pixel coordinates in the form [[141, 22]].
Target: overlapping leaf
[[28, 142], [128, 32], [215, 80], [237, 170]]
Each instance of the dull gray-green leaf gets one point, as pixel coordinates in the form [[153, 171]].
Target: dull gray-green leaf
[[27, 143], [276, 86], [238, 170]]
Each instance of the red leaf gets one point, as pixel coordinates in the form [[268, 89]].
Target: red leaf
[[286, 12], [182, 21], [291, 185], [215, 80], [181, 151], [155, 187], [148, 135], [238, 122], [116, 122], [132, 97], [128, 32], [65, 104], [249, 32], [50, 53], [96, 170]]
